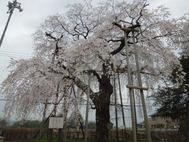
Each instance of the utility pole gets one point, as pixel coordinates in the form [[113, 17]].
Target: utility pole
[[131, 91], [11, 7]]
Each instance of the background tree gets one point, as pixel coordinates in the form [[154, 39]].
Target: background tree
[[173, 99], [87, 40], [27, 124], [92, 125], [3, 123]]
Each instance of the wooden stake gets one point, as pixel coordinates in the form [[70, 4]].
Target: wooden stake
[[87, 110], [129, 29], [116, 115], [131, 92], [141, 92], [122, 109], [136, 87]]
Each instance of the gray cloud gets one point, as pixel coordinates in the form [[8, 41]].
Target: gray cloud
[[176, 7]]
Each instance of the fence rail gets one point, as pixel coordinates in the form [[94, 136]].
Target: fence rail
[[29, 133]]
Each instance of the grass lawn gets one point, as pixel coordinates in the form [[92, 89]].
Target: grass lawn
[[79, 140], [55, 140]]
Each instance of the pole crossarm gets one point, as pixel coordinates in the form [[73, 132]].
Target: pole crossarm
[[136, 87], [52, 103], [129, 29]]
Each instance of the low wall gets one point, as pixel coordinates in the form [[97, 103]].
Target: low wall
[[30, 133]]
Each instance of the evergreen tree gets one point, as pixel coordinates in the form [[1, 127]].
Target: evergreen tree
[[173, 100]]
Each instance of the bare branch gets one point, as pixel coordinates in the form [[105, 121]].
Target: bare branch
[[140, 14]]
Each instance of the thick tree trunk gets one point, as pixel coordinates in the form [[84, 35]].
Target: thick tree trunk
[[102, 110], [101, 101]]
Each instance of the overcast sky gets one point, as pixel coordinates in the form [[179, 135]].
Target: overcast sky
[[18, 43]]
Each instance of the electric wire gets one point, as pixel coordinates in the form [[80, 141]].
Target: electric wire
[[11, 54]]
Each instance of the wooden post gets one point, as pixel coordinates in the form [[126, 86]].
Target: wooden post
[[87, 110], [45, 110], [122, 109], [50, 135], [131, 93], [60, 137], [136, 87], [57, 94], [81, 123], [116, 118], [65, 109], [134, 107], [141, 92], [65, 131], [109, 127]]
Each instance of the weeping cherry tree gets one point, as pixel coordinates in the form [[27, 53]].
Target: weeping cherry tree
[[88, 40]]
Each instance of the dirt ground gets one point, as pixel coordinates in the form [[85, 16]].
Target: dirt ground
[[18, 141]]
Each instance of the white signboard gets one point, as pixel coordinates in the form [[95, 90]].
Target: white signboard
[[56, 122]]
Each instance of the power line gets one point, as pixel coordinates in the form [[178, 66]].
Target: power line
[[15, 52], [15, 55]]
